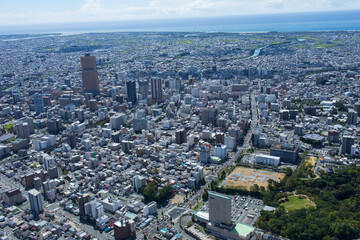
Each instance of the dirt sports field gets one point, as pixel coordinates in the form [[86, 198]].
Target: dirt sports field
[[247, 177]]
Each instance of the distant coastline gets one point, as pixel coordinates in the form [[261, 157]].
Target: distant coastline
[[295, 22]]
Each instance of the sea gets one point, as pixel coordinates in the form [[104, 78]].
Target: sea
[[286, 22]]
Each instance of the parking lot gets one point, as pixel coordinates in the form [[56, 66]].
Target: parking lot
[[249, 159], [245, 209]]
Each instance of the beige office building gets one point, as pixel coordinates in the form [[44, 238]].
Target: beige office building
[[219, 208]]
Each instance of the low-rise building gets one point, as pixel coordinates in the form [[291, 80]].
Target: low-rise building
[[12, 197], [267, 160]]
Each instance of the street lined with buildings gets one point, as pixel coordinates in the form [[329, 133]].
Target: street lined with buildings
[[126, 135]]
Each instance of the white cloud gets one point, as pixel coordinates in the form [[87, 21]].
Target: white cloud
[[94, 10], [180, 8], [91, 6], [276, 4]]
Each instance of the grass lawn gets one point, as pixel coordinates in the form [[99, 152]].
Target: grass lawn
[[296, 203]]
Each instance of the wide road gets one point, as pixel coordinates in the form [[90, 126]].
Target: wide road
[[196, 197], [246, 145]]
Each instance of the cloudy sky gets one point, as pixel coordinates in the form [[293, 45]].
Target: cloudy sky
[[18, 12]]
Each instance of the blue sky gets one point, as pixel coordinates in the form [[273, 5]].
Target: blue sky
[[18, 12]]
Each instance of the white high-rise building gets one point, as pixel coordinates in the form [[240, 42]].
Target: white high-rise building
[[35, 199], [230, 142], [220, 151], [49, 187], [138, 182], [87, 144], [48, 162], [204, 154], [94, 209]]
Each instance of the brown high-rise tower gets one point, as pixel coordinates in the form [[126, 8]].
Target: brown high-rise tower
[[90, 77]]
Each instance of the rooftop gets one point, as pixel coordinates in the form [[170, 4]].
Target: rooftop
[[34, 192], [268, 156], [5, 137], [315, 137], [219, 195], [284, 147], [242, 229], [203, 215], [12, 192]]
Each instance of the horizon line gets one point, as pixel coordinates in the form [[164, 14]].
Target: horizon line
[[176, 18]]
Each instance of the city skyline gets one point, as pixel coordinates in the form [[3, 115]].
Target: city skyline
[[127, 135], [41, 12], [180, 120]]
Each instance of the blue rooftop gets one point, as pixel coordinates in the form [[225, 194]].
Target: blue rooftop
[[5, 137]]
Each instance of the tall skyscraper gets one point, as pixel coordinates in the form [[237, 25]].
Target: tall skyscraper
[[30, 123], [68, 82], [204, 154], [90, 78], [357, 108], [347, 142], [72, 139], [352, 117], [48, 162], [94, 209], [144, 88], [39, 103], [88, 97], [22, 130], [180, 136], [54, 126], [131, 92], [156, 89], [219, 208], [93, 106], [85, 198], [36, 203], [15, 95], [208, 115]]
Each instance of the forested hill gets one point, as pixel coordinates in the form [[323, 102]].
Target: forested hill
[[335, 216]]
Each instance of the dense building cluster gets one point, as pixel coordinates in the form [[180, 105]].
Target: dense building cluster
[[119, 135]]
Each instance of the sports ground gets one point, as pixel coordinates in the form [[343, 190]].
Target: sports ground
[[296, 203], [247, 177]]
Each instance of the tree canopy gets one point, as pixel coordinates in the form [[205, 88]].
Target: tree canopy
[[152, 192], [337, 211]]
